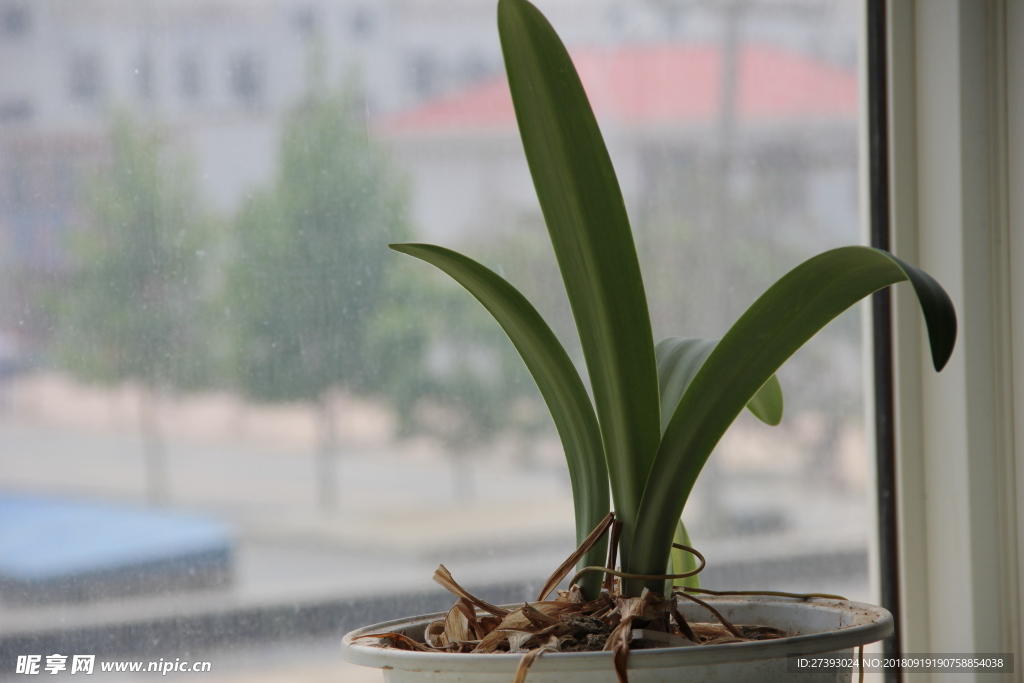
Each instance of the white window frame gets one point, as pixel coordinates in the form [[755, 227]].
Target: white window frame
[[956, 136]]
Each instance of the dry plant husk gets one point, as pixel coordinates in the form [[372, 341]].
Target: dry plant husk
[[570, 623]]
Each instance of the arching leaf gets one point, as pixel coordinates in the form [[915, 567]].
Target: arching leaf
[[792, 311], [559, 384]]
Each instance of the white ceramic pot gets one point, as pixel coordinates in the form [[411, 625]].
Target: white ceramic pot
[[823, 626]]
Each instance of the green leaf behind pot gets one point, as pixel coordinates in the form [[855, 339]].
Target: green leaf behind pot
[[678, 363]]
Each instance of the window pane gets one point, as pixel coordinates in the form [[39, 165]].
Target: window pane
[[234, 419]]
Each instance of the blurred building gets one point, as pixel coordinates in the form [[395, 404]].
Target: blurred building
[[660, 108], [217, 75]]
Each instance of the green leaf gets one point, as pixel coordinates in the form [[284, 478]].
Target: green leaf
[[582, 205], [678, 362], [682, 561], [559, 384], [792, 311], [767, 403]]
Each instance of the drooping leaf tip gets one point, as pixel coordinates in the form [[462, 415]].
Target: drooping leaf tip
[[942, 349], [403, 247], [937, 307]]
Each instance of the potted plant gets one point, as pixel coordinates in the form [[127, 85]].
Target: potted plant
[[657, 413]]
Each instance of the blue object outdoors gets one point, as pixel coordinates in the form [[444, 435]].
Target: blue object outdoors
[[56, 550]]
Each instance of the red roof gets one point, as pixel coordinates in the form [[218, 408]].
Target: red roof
[[659, 85]]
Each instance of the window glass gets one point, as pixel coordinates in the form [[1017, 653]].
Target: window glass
[[234, 425], [85, 79], [144, 76], [15, 20], [190, 77], [247, 79]]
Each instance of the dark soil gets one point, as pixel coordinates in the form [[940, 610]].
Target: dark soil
[[586, 634]]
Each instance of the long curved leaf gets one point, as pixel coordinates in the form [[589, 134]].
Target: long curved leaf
[[582, 205], [792, 311], [678, 362], [559, 384]]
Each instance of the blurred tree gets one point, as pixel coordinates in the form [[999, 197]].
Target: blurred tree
[[450, 371], [134, 309], [309, 264]]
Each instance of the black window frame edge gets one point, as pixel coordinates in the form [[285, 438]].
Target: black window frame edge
[[882, 328]]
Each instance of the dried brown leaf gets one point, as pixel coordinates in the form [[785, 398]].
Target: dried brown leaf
[[655, 606], [537, 617], [559, 608], [488, 624], [566, 567], [558, 629], [400, 641], [517, 640], [444, 577], [434, 634], [514, 620], [457, 626], [527, 619], [620, 657], [491, 641], [530, 657], [628, 609], [573, 595], [471, 616]]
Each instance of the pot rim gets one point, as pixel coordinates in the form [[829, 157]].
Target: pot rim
[[869, 624]]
